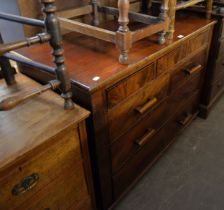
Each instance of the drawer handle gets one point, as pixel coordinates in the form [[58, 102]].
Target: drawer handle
[[193, 70], [25, 184], [149, 104], [141, 142], [186, 120]]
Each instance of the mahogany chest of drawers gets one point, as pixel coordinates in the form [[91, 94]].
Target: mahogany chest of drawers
[[44, 160], [137, 109]]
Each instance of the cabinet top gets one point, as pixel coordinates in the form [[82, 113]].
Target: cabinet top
[[93, 63], [32, 124]]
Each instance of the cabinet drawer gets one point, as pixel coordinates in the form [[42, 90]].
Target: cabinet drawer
[[188, 48], [127, 113], [182, 95], [128, 86], [147, 155], [131, 142], [188, 70], [24, 183]]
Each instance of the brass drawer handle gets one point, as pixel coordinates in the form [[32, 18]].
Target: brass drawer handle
[[186, 120], [25, 184], [193, 70], [141, 142], [149, 104]]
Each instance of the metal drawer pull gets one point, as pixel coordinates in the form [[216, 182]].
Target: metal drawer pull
[[149, 104], [186, 120], [25, 184], [141, 142], [193, 70]]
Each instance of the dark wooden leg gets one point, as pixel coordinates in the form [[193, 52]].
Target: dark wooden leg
[[163, 16], [53, 28], [144, 6], [7, 70], [123, 33], [95, 20]]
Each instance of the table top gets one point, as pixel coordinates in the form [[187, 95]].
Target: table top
[[32, 123], [93, 63]]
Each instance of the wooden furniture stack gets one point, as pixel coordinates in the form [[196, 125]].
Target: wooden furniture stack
[[137, 109], [44, 159]]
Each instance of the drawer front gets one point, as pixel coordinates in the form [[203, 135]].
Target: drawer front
[[188, 70], [26, 182], [146, 156], [128, 86], [128, 113], [141, 133], [188, 48]]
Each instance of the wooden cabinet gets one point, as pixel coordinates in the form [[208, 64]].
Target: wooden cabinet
[[214, 82], [44, 160], [137, 109]]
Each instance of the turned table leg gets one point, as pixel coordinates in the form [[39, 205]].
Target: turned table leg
[[123, 33], [95, 20], [53, 28], [171, 15], [163, 16]]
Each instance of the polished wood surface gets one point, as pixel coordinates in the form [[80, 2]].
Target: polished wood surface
[[137, 109], [40, 139]]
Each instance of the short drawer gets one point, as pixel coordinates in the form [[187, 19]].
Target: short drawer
[[148, 154], [122, 117], [128, 86], [30, 179], [188, 48], [139, 135], [188, 70], [197, 42]]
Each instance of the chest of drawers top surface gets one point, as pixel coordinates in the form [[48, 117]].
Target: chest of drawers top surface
[[32, 124], [92, 63]]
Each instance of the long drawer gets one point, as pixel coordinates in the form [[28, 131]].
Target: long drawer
[[139, 135], [148, 153], [30, 181], [123, 116]]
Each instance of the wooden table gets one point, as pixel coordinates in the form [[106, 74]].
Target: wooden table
[[136, 109]]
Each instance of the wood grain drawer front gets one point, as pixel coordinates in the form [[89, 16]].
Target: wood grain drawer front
[[197, 42], [182, 95], [188, 70], [128, 86], [147, 155], [188, 48], [127, 113], [24, 183], [138, 136]]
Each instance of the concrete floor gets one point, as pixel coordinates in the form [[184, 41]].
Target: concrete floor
[[190, 175]]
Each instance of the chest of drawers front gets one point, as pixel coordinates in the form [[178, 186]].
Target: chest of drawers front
[[136, 110]]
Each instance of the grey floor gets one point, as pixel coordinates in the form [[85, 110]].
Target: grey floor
[[190, 175]]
